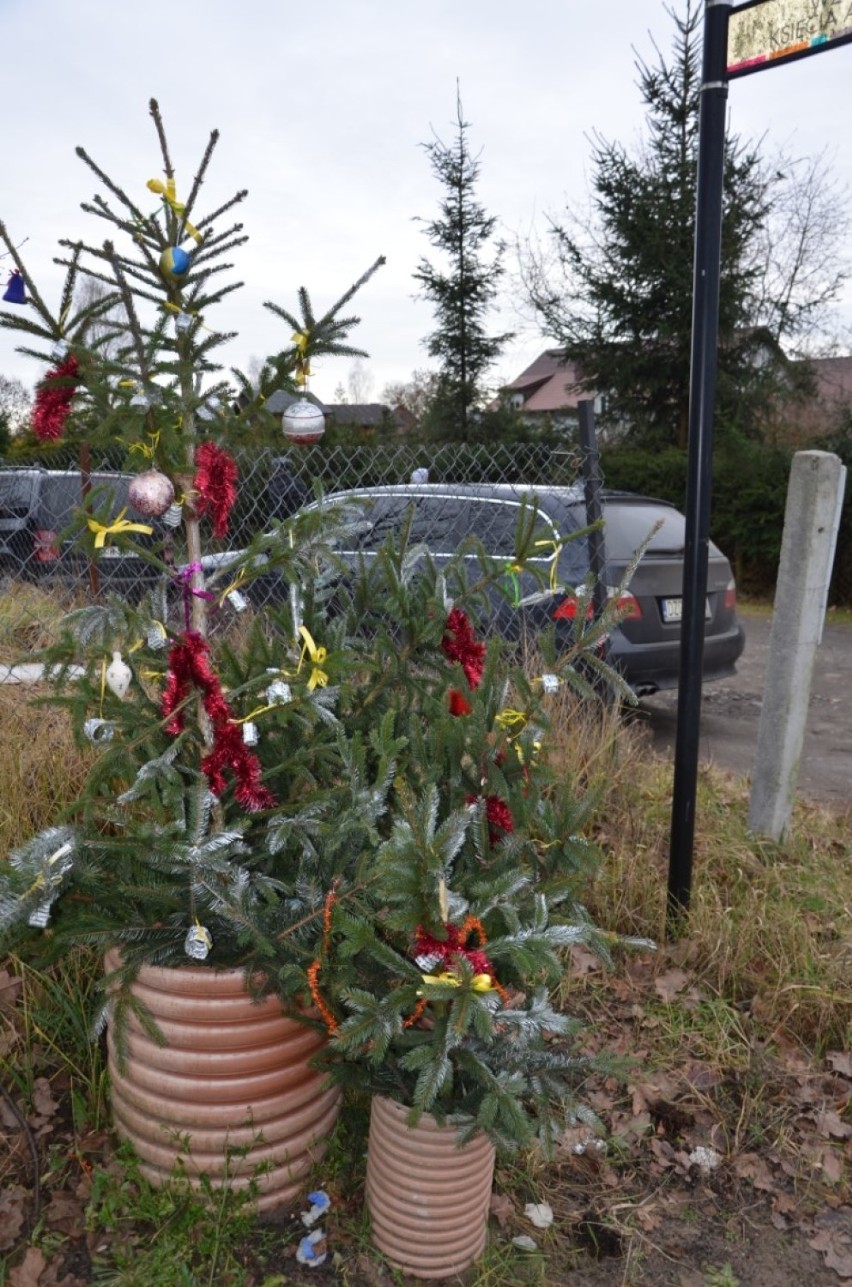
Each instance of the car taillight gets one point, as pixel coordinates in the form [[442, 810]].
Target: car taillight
[[730, 601], [628, 607], [45, 547], [567, 609]]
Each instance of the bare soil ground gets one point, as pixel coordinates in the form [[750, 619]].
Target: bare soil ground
[[766, 1204]]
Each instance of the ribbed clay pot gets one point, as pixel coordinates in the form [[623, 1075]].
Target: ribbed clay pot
[[233, 1072], [428, 1199]]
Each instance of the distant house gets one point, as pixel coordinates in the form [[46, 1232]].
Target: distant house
[[366, 416], [358, 415], [280, 400], [370, 416], [547, 393], [832, 378]]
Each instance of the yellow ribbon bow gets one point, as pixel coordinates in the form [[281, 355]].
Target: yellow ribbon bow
[[120, 525], [318, 677], [479, 982], [509, 717], [168, 192], [556, 546], [147, 452], [302, 339]]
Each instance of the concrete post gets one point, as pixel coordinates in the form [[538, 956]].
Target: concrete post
[[814, 497]]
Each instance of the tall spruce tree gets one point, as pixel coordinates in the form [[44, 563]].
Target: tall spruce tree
[[615, 290], [463, 291]]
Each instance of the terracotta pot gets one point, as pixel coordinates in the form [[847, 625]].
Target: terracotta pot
[[233, 1073], [428, 1198]]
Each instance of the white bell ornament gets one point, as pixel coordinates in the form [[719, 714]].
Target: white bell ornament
[[118, 676]]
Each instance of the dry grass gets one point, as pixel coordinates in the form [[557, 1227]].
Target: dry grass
[[29, 618], [770, 925], [41, 770]]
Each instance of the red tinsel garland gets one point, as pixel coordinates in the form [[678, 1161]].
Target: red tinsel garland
[[216, 484], [448, 950], [498, 814], [189, 666], [460, 644], [53, 399]]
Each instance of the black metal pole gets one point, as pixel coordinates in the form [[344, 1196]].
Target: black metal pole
[[702, 396], [591, 470]]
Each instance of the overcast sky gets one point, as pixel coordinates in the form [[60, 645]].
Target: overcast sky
[[322, 109]]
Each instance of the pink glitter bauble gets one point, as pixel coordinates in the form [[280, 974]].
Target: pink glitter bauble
[[151, 493]]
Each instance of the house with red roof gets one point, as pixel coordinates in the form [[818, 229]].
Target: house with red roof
[[547, 392]]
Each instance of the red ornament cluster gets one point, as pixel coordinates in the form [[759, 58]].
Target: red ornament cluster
[[53, 399], [189, 667], [216, 475]]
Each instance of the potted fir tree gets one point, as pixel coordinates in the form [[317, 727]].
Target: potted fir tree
[[434, 983], [219, 806]]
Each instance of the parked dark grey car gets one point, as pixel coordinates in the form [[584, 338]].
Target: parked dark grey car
[[645, 646], [37, 506]]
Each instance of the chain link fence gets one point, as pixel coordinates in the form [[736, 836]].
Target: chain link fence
[[46, 570]]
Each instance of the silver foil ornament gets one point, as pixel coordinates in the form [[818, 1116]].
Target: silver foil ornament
[[198, 942]]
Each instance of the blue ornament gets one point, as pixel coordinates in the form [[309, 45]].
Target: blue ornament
[[15, 292], [174, 262]]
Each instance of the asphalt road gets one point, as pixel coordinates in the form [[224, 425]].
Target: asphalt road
[[731, 713]]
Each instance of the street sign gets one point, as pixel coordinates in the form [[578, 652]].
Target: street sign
[[766, 33]]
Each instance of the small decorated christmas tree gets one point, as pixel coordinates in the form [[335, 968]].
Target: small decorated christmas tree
[[220, 761], [435, 982]]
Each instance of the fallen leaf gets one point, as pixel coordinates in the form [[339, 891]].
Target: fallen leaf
[[669, 984], [841, 1062], [51, 1278], [502, 1208], [28, 1272], [829, 1123], [65, 1213], [367, 1269], [582, 960], [836, 1249], [701, 1076], [832, 1165], [10, 987], [840, 1262], [748, 1166], [12, 1214], [43, 1102]]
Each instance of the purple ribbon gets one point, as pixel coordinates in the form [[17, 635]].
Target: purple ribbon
[[183, 580]]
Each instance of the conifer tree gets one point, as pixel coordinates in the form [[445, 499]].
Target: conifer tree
[[464, 289], [173, 847], [615, 291]]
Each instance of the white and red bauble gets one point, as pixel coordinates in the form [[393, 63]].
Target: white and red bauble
[[303, 422], [151, 493]]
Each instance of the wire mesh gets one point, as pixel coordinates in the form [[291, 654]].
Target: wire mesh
[[46, 569]]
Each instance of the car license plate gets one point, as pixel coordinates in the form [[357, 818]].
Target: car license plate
[[672, 610]]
